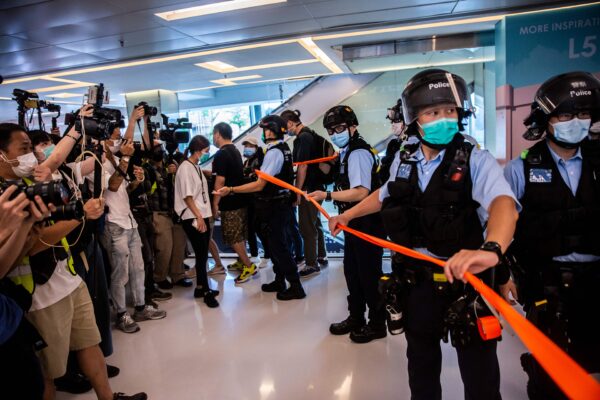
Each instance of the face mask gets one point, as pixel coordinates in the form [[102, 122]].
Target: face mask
[[48, 150], [341, 139], [397, 128], [116, 146], [204, 158], [27, 164], [573, 131], [441, 131], [249, 152]]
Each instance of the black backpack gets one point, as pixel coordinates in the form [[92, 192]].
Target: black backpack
[[322, 148]]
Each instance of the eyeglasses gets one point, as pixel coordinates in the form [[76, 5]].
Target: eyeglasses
[[568, 116], [338, 129]]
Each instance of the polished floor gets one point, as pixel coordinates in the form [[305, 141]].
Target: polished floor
[[255, 347]]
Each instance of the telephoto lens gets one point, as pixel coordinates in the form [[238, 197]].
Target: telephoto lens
[[55, 192], [65, 212]]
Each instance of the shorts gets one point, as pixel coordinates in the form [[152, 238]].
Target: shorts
[[234, 225], [67, 325]]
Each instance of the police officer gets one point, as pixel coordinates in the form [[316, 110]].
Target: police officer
[[438, 202], [355, 178], [274, 204], [557, 181]]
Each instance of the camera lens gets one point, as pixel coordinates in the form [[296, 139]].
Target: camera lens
[[55, 192], [72, 210]]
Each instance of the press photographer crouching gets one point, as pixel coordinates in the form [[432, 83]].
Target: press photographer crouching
[[61, 309]]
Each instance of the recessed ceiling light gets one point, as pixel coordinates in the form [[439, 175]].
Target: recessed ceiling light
[[62, 87], [224, 68], [231, 81], [5, 98], [64, 95], [320, 55], [214, 8]]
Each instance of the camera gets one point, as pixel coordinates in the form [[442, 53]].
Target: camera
[[26, 99], [148, 109], [55, 192], [175, 133]]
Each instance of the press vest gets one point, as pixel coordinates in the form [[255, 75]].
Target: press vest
[[443, 218], [342, 178], [554, 222]]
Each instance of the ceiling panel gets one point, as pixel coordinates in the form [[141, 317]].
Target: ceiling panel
[[6, 4], [481, 5], [40, 55], [346, 7], [10, 44], [164, 46]]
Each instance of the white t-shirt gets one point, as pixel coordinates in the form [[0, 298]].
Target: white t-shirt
[[119, 211], [190, 181], [61, 284]]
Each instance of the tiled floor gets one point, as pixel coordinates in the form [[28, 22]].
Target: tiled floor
[[255, 347]]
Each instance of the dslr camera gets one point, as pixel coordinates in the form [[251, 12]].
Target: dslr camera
[[148, 109], [55, 192]]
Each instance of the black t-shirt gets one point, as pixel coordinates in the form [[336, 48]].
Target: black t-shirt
[[304, 150], [228, 164]]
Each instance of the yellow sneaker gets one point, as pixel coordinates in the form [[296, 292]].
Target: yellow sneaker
[[238, 265], [247, 273]]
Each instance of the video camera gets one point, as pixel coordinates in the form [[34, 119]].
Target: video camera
[[102, 123], [55, 192], [175, 133], [29, 100]]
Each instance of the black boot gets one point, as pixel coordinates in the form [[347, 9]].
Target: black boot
[[295, 291], [274, 287], [346, 326], [368, 333], [72, 383]]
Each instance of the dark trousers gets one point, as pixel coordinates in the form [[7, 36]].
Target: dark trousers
[[256, 230], [146, 231], [295, 239], [478, 363], [278, 215], [199, 241], [362, 269]]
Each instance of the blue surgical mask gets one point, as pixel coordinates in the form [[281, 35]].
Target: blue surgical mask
[[48, 150], [204, 158], [441, 131], [341, 139], [249, 152], [573, 131]]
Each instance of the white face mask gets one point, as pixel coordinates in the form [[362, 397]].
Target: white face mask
[[27, 163], [397, 128], [116, 147]]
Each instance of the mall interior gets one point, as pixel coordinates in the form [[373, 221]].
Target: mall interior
[[203, 64]]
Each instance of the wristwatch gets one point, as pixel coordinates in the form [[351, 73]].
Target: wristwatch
[[494, 247], [327, 196]]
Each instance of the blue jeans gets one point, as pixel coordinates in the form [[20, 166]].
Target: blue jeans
[[124, 248]]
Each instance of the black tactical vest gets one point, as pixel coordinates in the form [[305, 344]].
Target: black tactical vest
[[271, 191], [340, 170], [443, 218], [554, 222]]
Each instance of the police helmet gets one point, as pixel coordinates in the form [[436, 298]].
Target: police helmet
[[275, 124], [431, 87], [395, 114], [566, 93], [339, 115]]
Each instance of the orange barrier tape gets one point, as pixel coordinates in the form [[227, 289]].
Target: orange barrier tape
[[317, 160], [571, 378]]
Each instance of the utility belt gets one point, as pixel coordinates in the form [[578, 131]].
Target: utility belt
[[467, 317], [281, 197]]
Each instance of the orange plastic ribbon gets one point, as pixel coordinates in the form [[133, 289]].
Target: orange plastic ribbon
[[569, 376], [316, 160]]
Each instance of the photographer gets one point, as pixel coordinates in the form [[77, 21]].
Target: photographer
[[60, 299]]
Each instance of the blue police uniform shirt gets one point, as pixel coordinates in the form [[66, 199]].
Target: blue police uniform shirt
[[486, 175], [570, 172], [273, 161], [360, 164]]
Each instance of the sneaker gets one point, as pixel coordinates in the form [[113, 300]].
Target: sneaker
[[217, 270], [294, 292], [137, 396], [127, 324], [157, 295], [237, 265], [264, 263], [346, 326], [309, 271], [323, 261], [210, 300], [149, 313], [199, 293], [184, 282], [247, 274], [112, 371], [164, 285], [72, 383], [274, 287], [300, 263], [368, 333]]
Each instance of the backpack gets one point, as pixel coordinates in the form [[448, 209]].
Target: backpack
[[322, 148]]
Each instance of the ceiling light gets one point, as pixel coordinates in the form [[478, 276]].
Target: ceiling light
[[5, 98], [214, 8], [197, 89], [320, 55], [225, 68], [231, 81], [62, 87], [64, 95]]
